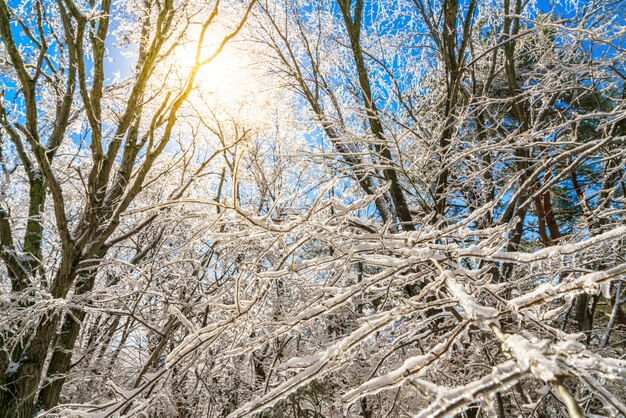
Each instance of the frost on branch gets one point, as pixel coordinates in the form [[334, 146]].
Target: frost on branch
[[312, 208]]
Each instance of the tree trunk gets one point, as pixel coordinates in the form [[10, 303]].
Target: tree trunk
[[62, 356]]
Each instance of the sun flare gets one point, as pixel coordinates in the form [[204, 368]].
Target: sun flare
[[229, 83], [227, 73]]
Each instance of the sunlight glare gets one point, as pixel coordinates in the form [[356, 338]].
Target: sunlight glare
[[227, 74]]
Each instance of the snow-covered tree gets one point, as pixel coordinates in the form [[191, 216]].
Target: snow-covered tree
[[312, 208]]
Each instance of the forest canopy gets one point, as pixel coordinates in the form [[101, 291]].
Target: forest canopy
[[312, 208]]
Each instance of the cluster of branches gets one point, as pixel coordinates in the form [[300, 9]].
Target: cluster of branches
[[428, 221]]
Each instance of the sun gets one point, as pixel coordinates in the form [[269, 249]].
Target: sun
[[228, 72], [218, 75], [234, 85]]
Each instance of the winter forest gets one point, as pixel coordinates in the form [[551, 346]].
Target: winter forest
[[312, 208]]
